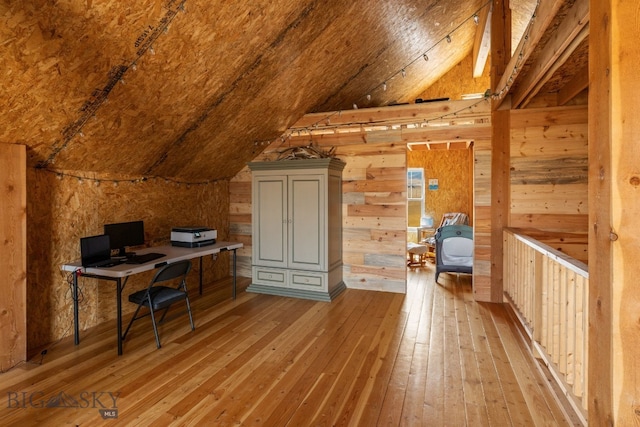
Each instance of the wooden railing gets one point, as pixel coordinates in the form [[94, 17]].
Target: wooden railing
[[549, 293]]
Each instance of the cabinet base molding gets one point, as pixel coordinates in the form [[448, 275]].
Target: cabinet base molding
[[298, 293]]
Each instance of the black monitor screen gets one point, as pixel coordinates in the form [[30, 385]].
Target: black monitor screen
[[125, 234]]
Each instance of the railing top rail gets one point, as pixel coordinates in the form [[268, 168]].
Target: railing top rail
[[573, 264]]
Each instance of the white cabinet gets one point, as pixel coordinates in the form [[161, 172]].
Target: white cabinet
[[297, 228]]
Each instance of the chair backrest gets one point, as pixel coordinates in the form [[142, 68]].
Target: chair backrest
[[454, 218], [172, 271]]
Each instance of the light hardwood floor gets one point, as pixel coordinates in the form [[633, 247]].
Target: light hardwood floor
[[433, 357]]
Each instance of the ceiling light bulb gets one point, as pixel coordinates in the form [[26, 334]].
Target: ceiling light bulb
[[425, 57], [368, 97], [448, 38], [355, 106], [384, 86], [476, 18], [404, 73]]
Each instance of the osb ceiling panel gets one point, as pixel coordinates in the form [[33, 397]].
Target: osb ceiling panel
[[190, 88], [578, 61]]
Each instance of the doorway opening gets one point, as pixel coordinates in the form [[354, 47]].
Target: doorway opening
[[440, 180]]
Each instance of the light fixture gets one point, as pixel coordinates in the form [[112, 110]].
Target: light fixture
[[384, 86], [476, 18], [404, 73], [425, 57], [448, 38]]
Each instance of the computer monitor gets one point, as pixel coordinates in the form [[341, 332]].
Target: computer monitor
[[125, 234]]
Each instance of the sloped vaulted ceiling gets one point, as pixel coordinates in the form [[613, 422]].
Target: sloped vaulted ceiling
[[185, 88]]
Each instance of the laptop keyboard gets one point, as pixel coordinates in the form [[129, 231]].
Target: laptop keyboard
[[106, 263], [141, 259]]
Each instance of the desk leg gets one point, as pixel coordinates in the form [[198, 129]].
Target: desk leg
[[200, 275], [76, 314], [234, 274], [119, 313]]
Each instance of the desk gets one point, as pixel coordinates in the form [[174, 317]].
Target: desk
[[122, 271]]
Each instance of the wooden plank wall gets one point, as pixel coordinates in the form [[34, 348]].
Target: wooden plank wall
[[482, 217], [374, 182], [13, 255], [549, 171], [62, 208]]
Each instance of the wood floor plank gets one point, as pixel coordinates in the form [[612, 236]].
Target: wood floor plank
[[453, 404], [432, 409], [319, 359], [419, 295], [276, 356], [337, 378], [432, 357], [543, 406], [367, 409], [281, 398], [475, 404], [494, 398], [518, 412]]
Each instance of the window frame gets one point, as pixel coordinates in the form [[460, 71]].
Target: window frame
[[410, 183]]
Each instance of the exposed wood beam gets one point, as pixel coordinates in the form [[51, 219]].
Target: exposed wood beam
[[579, 83], [561, 60], [371, 116], [438, 145], [13, 255], [500, 143], [614, 207], [482, 43], [557, 50], [544, 15]]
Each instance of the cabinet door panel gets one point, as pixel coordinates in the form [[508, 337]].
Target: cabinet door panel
[[307, 205], [270, 233]]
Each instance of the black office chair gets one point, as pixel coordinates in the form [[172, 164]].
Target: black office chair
[[157, 297]]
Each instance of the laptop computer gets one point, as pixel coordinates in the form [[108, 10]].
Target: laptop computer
[[95, 251]]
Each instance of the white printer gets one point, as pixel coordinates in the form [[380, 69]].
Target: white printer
[[193, 237]]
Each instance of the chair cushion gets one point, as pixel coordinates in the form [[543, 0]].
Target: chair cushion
[[161, 296], [415, 248]]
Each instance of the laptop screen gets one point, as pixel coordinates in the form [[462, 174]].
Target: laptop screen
[[94, 249]]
